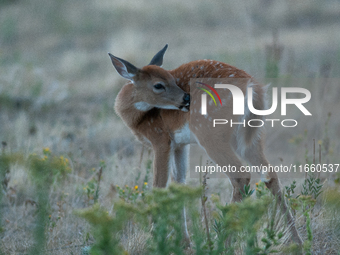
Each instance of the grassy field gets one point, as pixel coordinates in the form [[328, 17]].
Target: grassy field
[[64, 149]]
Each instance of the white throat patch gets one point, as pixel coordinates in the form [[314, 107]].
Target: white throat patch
[[143, 106]]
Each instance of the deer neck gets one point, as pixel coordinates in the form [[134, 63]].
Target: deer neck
[[125, 106]]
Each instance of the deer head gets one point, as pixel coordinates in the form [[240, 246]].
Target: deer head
[[153, 85]]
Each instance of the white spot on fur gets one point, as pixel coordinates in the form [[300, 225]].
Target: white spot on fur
[[232, 75]]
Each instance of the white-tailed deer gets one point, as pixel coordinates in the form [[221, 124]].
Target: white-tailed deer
[[155, 105]]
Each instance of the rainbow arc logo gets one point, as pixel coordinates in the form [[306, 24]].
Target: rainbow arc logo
[[204, 96], [209, 93]]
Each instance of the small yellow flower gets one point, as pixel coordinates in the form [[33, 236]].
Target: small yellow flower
[[46, 150], [123, 191], [145, 183], [136, 187], [257, 184]]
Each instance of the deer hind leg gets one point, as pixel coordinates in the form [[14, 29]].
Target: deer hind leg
[[255, 156], [224, 155]]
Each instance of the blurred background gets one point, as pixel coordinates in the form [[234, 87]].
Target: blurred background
[[58, 86]]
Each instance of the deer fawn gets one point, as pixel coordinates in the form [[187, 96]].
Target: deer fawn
[[155, 105]]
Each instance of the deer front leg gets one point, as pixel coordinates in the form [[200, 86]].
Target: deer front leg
[[166, 157], [161, 164]]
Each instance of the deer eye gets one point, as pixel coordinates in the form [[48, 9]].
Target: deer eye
[[159, 86]]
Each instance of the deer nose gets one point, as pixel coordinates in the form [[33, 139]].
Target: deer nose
[[186, 98]]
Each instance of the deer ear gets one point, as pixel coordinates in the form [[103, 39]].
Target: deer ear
[[158, 58], [124, 68]]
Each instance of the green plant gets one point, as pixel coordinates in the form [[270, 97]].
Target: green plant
[[290, 190], [163, 206], [237, 218], [92, 186], [261, 189], [273, 236], [312, 186], [131, 194], [305, 204], [247, 191], [104, 229]]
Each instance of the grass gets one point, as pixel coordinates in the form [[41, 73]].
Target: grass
[[57, 91]]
